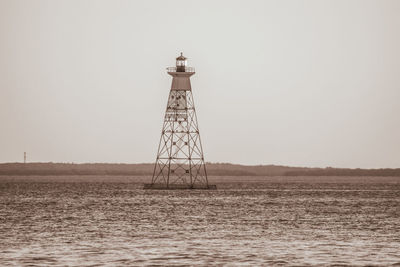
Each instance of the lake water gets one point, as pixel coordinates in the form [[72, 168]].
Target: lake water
[[288, 221]]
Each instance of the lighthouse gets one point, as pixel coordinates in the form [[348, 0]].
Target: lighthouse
[[180, 160]]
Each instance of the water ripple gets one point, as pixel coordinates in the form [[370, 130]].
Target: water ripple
[[76, 223]]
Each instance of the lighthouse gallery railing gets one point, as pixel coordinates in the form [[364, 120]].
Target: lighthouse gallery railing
[[187, 69]]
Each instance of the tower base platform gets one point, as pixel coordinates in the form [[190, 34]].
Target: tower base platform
[[179, 187]]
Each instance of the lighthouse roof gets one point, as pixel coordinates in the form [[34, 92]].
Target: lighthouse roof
[[181, 57]]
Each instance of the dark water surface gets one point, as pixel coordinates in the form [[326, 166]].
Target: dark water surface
[[89, 220]]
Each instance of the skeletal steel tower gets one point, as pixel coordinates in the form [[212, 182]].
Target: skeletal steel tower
[[180, 161]]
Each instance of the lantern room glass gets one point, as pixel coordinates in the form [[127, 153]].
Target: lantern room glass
[[181, 63]]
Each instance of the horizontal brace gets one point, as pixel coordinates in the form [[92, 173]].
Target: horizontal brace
[[182, 158]]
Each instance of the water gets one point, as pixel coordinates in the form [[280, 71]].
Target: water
[[86, 221]]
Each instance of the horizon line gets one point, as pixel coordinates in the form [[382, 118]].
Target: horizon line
[[238, 164]]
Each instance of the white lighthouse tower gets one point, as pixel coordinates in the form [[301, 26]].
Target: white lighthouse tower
[[180, 160]]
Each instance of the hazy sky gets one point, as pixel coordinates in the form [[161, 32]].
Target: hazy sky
[[304, 83]]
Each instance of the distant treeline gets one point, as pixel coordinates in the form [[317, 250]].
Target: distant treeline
[[217, 169]]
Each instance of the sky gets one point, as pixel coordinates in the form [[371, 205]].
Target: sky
[[299, 83]]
